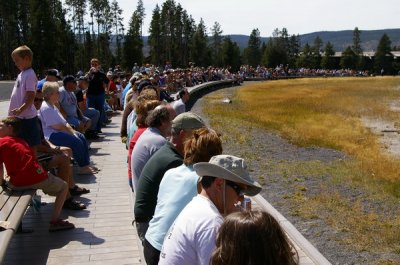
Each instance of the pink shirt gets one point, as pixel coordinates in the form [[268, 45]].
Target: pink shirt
[[26, 81]]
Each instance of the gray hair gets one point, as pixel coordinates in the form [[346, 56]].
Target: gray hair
[[49, 88]]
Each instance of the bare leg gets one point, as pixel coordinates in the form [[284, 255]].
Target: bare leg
[[66, 150], [64, 170], [88, 170], [58, 204]]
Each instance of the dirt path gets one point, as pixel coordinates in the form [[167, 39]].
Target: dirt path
[[278, 165]]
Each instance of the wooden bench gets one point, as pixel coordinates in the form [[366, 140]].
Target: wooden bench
[[13, 205]]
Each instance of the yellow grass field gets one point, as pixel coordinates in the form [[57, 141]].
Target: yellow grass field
[[327, 112]]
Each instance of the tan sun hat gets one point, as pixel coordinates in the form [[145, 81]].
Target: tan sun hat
[[230, 168]]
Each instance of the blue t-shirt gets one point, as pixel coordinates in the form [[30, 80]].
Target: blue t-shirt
[[68, 102], [177, 188], [40, 84], [124, 92]]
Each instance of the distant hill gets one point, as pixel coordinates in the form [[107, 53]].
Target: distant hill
[[342, 39], [339, 39]]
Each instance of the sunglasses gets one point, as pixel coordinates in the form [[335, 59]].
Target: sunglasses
[[236, 188]]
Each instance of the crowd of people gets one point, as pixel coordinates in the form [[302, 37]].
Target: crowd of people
[[188, 195], [281, 71]]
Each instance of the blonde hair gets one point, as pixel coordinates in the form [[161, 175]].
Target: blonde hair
[[201, 146], [49, 88], [142, 109], [23, 52]]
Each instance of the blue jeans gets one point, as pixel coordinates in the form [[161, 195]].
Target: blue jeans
[[97, 102], [94, 116], [76, 142]]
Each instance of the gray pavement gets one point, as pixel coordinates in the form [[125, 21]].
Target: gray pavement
[[6, 89]]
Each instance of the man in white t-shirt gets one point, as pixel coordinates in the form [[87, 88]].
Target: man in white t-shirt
[[191, 239], [180, 104]]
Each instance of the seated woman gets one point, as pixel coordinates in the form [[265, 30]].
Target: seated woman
[[59, 132], [252, 237]]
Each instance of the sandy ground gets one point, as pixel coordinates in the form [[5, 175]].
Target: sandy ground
[[388, 131]]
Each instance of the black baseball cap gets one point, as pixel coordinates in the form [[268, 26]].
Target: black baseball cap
[[53, 72]]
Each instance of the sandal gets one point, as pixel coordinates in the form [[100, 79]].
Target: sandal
[[60, 225], [73, 205], [76, 191]]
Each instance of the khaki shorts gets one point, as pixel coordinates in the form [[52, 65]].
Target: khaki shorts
[[52, 185]]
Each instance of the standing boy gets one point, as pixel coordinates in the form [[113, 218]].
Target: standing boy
[[26, 173], [23, 95]]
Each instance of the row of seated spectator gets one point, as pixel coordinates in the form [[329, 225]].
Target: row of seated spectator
[[184, 187], [37, 143], [282, 71]]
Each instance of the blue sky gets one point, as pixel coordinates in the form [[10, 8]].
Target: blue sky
[[299, 17]]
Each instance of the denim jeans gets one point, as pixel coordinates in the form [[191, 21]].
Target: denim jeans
[[76, 142], [97, 102], [93, 115]]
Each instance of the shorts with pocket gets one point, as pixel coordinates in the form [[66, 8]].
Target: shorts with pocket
[[52, 185]]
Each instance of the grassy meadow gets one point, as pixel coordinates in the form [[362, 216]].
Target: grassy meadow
[[328, 112]]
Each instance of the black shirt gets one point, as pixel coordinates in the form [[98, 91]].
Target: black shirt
[[97, 81]]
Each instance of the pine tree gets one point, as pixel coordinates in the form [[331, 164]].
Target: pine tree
[[383, 56], [349, 59], [141, 15], [357, 42], [306, 57], [100, 10], [64, 38], [316, 49], [8, 36], [253, 51], [155, 40], [118, 27], [328, 62], [167, 31], [216, 44], [294, 49], [280, 49], [200, 53], [43, 34], [177, 40], [231, 54], [189, 28], [77, 10], [357, 49], [133, 43]]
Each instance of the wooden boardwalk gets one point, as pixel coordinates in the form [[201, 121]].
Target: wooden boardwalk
[[103, 233]]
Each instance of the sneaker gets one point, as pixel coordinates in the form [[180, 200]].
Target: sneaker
[[60, 225]]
